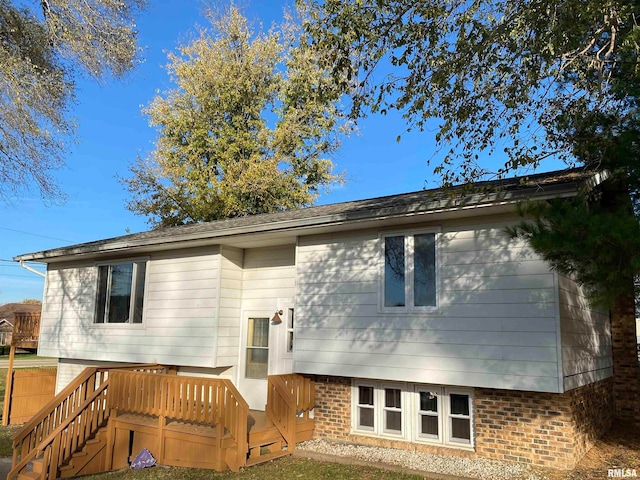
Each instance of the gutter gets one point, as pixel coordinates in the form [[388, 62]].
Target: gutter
[[32, 270]]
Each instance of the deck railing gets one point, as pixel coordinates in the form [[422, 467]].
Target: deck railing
[[216, 402], [66, 422], [289, 398], [26, 329]]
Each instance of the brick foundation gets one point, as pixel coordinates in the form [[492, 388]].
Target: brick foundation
[[625, 361], [543, 429], [546, 429]]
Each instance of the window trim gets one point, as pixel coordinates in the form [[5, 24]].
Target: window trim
[[449, 416], [410, 408], [409, 306], [418, 436], [290, 331], [355, 410], [383, 409], [109, 263]]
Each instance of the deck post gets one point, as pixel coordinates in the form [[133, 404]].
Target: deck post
[[161, 442], [111, 438], [8, 387]]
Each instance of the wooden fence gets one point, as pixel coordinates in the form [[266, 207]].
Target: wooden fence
[[31, 389]]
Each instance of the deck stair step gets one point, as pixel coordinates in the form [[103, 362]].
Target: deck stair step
[[36, 473], [80, 459], [37, 466], [29, 476], [265, 441]]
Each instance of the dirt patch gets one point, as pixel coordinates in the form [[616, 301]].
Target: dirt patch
[[619, 448]]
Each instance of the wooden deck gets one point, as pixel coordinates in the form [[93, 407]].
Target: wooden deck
[[26, 330], [182, 421]]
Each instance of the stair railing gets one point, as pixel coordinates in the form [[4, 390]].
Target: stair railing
[[288, 398], [66, 422], [211, 401]]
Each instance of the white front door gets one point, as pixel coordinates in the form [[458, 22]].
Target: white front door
[[264, 352]]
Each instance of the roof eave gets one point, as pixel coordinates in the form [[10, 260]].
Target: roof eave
[[451, 204]]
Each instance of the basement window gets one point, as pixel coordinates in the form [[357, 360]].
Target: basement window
[[413, 412]]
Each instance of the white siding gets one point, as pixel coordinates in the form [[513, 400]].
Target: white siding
[[495, 326], [68, 369], [269, 281], [180, 313], [230, 304], [586, 337], [269, 275]]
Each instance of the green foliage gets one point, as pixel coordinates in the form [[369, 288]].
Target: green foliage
[[598, 246], [536, 79], [247, 130], [40, 51], [532, 78]]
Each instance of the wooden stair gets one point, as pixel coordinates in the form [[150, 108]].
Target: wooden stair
[[106, 416], [91, 459], [265, 441]]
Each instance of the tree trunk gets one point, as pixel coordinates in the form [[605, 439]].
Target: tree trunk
[[625, 360]]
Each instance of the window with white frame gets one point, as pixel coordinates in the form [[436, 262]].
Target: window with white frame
[[458, 417], [422, 413], [290, 330], [392, 411], [365, 408], [428, 413], [409, 271], [120, 292]]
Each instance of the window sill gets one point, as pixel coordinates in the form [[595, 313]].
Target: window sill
[[455, 446], [408, 310], [397, 438], [128, 326], [383, 436]]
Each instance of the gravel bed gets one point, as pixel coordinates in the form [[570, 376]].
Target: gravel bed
[[482, 468]]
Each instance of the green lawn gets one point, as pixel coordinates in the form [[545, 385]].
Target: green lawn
[[283, 468]]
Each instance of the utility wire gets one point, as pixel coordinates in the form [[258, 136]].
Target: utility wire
[[35, 234], [15, 266], [21, 276], [15, 263]]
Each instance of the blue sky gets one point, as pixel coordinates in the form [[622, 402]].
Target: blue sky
[[112, 131]]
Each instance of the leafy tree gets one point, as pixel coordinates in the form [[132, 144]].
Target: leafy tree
[[247, 130], [537, 79], [42, 48], [31, 301]]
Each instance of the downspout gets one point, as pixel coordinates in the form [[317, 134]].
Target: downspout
[[33, 270]]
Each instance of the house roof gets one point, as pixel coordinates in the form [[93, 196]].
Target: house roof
[[539, 186], [8, 310]]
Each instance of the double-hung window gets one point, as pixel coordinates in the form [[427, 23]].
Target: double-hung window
[[392, 411], [365, 409], [379, 409], [120, 292], [409, 272], [459, 417], [428, 414]]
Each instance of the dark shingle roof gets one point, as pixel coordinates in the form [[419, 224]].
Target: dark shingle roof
[[421, 201]]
